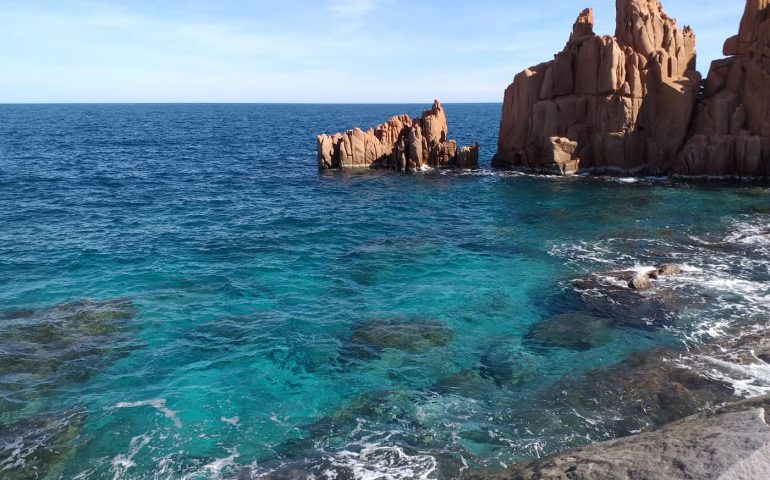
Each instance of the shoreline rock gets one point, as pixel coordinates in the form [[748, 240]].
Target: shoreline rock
[[401, 144], [732, 442]]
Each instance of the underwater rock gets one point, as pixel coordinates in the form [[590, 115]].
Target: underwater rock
[[575, 331], [374, 429], [401, 143], [607, 295], [34, 447], [467, 383], [618, 103], [43, 349], [732, 442], [508, 368], [407, 335]]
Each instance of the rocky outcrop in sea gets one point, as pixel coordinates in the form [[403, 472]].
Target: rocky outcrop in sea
[[632, 102], [401, 143]]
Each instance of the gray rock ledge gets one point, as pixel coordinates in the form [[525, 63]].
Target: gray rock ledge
[[730, 443]]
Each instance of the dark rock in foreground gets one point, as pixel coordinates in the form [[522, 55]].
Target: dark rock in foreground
[[401, 143], [730, 443]]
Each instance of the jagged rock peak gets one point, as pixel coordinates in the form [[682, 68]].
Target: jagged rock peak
[[434, 123], [645, 27], [614, 103], [750, 34], [584, 25], [730, 132]]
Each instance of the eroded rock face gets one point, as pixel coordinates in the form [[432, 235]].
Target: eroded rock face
[[401, 143], [609, 103], [731, 128]]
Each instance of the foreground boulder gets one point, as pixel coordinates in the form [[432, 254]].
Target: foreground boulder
[[731, 129], [619, 103], [730, 443], [401, 143]]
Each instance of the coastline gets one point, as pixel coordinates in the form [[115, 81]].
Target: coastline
[[730, 442]]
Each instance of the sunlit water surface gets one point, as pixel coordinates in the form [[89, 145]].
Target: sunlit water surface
[[183, 295]]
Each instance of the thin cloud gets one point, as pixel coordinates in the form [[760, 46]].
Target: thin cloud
[[352, 8], [352, 15]]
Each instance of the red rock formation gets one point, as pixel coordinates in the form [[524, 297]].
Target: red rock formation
[[468, 157], [618, 103], [731, 129], [401, 143]]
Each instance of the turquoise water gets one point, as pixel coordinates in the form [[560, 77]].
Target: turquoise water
[[185, 296]]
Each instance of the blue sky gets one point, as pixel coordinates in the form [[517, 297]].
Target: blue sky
[[299, 50]]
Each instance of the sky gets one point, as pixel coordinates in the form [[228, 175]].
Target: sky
[[320, 51]]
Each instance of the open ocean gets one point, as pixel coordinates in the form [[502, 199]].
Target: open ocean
[[183, 295]]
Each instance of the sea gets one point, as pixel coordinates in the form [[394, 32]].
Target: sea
[[183, 295]]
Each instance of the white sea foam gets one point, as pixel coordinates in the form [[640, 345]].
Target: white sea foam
[[381, 461], [215, 469], [231, 421], [159, 404], [123, 462], [747, 380]]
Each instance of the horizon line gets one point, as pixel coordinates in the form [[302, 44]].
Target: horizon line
[[244, 103]]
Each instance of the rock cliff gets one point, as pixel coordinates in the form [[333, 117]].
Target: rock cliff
[[401, 143], [608, 103], [730, 134]]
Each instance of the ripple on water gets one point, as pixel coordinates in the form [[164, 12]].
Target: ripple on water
[[256, 280]]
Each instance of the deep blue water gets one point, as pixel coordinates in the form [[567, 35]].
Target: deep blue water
[[183, 295]]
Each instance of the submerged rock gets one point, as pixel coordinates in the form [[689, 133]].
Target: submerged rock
[[609, 295], [610, 103], [407, 335], [43, 349], [35, 447], [732, 442], [401, 143], [467, 383], [575, 331], [508, 368]]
